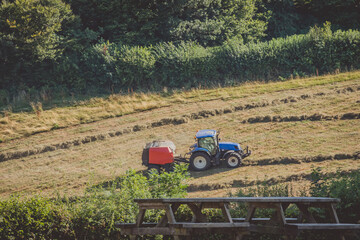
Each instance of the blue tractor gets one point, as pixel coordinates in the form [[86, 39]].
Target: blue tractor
[[208, 151]]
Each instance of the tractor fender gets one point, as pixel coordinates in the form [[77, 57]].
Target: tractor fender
[[200, 150], [227, 153]]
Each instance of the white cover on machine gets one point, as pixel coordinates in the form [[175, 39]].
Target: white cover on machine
[[161, 143]]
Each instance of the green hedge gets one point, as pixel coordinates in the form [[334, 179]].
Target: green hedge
[[113, 67], [188, 64]]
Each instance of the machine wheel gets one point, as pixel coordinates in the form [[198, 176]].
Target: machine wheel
[[200, 161], [153, 166], [233, 160], [169, 167]]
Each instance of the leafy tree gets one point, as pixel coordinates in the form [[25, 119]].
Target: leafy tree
[[31, 25], [213, 22], [343, 13], [284, 20], [139, 22]]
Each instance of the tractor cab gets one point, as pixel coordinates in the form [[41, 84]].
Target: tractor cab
[[209, 151], [207, 140]]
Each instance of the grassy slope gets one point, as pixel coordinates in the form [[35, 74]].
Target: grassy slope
[[18, 125], [68, 170]]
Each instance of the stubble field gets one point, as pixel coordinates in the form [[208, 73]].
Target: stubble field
[[291, 127]]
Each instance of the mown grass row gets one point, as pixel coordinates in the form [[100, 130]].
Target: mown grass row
[[17, 125], [198, 115], [171, 121]]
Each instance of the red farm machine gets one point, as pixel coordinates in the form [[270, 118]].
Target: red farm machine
[[206, 152]]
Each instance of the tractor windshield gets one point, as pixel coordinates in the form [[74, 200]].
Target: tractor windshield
[[208, 143]]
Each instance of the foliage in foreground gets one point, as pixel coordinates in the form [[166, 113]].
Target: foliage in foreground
[[345, 187], [91, 216]]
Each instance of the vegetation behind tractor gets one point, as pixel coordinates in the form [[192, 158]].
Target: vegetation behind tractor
[[206, 152]]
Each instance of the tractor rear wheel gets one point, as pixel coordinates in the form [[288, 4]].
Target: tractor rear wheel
[[153, 166], [233, 160], [200, 161]]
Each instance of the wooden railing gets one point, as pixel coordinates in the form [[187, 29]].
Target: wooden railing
[[238, 227]]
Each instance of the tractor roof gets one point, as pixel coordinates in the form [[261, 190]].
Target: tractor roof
[[205, 133]]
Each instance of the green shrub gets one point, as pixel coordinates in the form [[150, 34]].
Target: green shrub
[[345, 187], [93, 215], [183, 65], [34, 218], [281, 190]]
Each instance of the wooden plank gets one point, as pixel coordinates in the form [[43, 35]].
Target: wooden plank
[[226, 213], [242, 199], [263, 220], [159, 231], [164, 220], [280, 215], [273, 205], [323, 226], [333, 214], [305, 213], [198, 215], [212, 204], [169, 214], [140, 217], [267, 229], [152, 205], [244, 225], [251, 212]]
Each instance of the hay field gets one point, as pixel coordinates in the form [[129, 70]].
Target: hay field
[[291, 126]]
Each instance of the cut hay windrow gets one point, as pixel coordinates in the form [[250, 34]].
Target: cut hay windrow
[[5, 156], [172, 121], [270, 181]]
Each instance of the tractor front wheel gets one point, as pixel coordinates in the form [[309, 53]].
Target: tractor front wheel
[[200, 161], [233, 160]]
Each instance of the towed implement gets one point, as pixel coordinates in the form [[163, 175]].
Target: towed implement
[[206, 152]]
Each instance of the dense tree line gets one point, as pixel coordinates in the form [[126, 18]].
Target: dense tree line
[[53, 44]]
